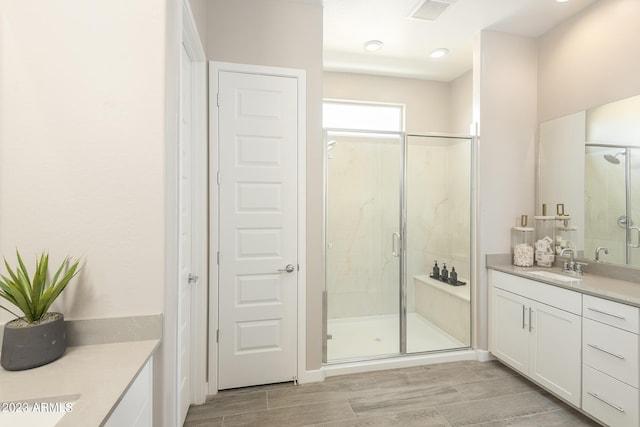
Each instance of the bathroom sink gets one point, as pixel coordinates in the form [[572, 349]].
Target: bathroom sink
[[554, 276], [37, 412]]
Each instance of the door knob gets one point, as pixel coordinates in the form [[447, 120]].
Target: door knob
[[289, 269]]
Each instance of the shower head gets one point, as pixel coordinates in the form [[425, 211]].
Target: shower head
[[330, 144], [613, 159]]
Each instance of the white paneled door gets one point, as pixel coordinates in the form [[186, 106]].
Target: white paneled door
[[258, 266]]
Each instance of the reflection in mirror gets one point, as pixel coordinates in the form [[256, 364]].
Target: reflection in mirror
[[590, 161], [561, 169], [612, 197]]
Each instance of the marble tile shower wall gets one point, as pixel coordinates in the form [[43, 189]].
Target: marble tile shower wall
[[363, 213], [605, 202], [362, 205]]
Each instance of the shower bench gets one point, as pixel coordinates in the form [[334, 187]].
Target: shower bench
[[447, 307]]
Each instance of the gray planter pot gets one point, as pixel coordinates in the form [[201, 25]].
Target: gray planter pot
[[30, 346]]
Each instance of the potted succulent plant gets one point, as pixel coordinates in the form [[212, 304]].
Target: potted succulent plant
[[38, 337]]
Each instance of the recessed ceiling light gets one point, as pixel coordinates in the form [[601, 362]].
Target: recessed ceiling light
[[439, 53], [373, 45]]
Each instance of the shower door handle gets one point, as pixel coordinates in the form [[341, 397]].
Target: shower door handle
[[395, 237], [637, 245]]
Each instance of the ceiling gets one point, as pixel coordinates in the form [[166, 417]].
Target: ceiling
[[348, 24]]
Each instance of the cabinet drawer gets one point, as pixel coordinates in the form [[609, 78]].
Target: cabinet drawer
[[609, 400], [554, 296], [612, 313], [610, 350]]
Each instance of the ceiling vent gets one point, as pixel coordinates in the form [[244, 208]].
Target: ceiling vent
[[430, 10]]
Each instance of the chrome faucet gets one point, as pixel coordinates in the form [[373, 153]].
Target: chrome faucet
[[571, 266], [600, 249], [571, 260]]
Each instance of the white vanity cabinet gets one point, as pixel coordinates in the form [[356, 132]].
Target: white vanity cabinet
[[136, 408], [610, 377], [536, 329]]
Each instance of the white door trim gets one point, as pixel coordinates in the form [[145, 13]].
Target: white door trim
[[300, 75], [198, 339]]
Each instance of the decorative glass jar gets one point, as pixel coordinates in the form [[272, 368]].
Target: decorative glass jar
[[566, 235], [522, 244], [545, 239]]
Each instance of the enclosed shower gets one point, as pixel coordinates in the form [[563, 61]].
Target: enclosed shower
[[395, 204], [612, 202]]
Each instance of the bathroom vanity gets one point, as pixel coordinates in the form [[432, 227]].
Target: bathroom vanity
[[91, 385], [576, 337]]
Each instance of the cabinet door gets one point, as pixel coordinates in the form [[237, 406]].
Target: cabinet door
[[510, 329], [135, 409], [556, 351]]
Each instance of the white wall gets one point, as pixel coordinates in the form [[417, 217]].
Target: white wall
[[590, 60], [82, 147], [505, 105], [283, 33], [86, 88]]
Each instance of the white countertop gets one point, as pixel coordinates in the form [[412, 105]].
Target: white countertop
[[96, 375], [590, 284]]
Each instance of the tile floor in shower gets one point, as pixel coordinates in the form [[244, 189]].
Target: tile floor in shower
[[356, 337]]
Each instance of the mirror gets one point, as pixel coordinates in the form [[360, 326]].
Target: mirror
[[590, 162]]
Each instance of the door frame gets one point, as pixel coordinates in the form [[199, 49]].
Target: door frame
[[300, 76], [198, 331]]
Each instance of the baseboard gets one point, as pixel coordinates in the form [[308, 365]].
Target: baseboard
[[484, 355], [311, 376], [398, 362]]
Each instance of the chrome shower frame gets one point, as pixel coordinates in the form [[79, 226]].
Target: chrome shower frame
[[403, 288]]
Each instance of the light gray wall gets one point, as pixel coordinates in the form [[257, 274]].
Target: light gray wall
[[461, 104], [284, 33], [590, 60], [505, 102], [426, 102], [199, 12]]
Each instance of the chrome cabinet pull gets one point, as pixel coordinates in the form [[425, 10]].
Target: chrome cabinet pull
[[394, 248], [530, 324], [597, 310], [192, 278], [619, 356], [523, 311], [616, 407]]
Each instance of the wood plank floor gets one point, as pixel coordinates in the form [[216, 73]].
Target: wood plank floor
[[448, 394]]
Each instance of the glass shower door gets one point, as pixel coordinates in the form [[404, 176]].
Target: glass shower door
[[438, 220], [362, 245]]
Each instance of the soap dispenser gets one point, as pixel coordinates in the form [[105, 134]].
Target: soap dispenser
[[445, 274], [453, 277], [436, 271]]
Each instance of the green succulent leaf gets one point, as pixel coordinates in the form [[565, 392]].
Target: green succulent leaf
[[33, 296]]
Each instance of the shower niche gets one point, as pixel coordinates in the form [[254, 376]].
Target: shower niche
[[394, 204]]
